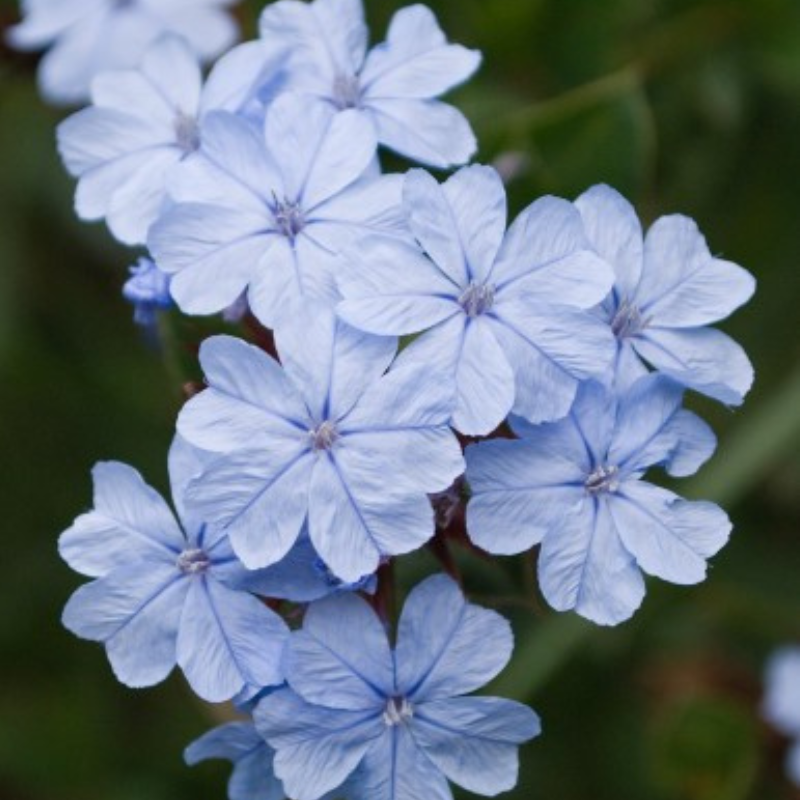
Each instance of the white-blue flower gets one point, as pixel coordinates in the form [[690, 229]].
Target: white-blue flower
[[393, 724], [503, 314], [668, 289], [252, 777], [326, 439], [163, 597], [575, 487], [269, 212], [88, 37], [394, 86], [781, 705], [143, 123]]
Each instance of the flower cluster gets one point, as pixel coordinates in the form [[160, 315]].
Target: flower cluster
[[408, 340]]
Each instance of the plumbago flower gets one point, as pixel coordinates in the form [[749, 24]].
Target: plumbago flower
[[268, 213], [668, 289], [781, 705], [393, 87], [252, 777], [575, 487], [143, 124], [393, 724], [502, 313], [147, 290], [327, 439], [89, 37], [163, 596]]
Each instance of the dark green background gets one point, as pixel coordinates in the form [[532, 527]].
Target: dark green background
[[683, 106]]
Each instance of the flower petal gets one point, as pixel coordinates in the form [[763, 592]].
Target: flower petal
[[130, 520], [341, 657], [446, 646], [475, 740], [584, 567], [317, 747], [682, 284], [426, 131], [416, 60], [615, 232], [670, 538], [228, 640]]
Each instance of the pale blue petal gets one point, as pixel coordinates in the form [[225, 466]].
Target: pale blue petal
[[260, 498], [446, 646], [781, 705], [356, 516], [131, 92], [135, 611], [520, 491], [653, 429], [396, 768], [228, 640], [172, 55], [670, 538], [130, 520], [213, 250], [416, 60], [426, 131], [317, 748], [550, 354], [371, 205], [433, 222], [330, 35], [250, 401], [235, 148], [341, 158], [185, 463], [703, 359], [475, 740], [329, 362], [389, 287], [485, 382], [584, 567], [615, 233], [341, 657], [253, 777], [547, 246], [682, 284]]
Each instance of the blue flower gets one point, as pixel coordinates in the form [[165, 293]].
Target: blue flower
[[161, 597], [253, 777], [89, 38], [125, 148], [329, 439], [668, 289], [781, 705], [503, 312], [394, 725], [575, 487], [270, 212], [148, 290], [394, 87]]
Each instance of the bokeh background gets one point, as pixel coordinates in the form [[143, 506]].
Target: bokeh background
[[683, 106]]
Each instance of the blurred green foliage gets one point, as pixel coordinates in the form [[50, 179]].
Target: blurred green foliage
[[683, 105]]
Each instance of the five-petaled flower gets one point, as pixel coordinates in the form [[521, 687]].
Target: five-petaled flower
[[393, 724]]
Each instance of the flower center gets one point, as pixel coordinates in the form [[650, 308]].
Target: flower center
[[603, 479], [477, 299], [346, 91], [397, 711], [289, 217], [187, 133], [324, 436], [193, 561], [628, 321]]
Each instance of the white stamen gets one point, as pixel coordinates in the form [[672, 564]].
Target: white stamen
[[477, 299], [603, 479], [193, 561], [397, 711]]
